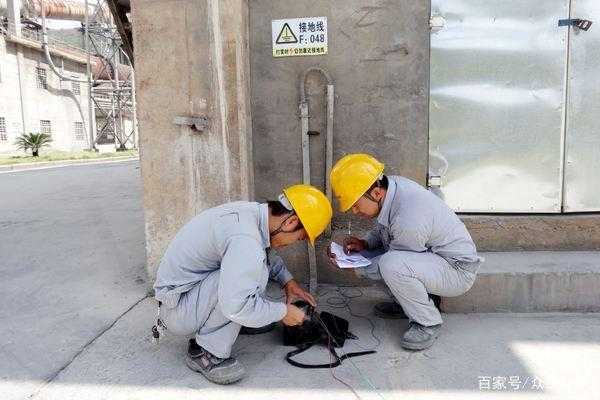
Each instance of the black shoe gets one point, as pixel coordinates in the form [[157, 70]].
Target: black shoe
[[389, 310], [257, 331], [437, 300], [393, 310], [217, 370]]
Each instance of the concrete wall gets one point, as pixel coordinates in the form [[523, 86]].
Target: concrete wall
[[567, 232], [213, 58], [379, 60], [57, 103]]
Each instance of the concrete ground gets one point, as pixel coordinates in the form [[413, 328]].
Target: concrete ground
[[553, 356], [71, 262], [75, 320]]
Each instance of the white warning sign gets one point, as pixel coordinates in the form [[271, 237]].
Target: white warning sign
[[299, 36]]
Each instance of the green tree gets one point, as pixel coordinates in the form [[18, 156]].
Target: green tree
[[33, 142]]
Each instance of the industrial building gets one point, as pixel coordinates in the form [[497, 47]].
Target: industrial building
[[81, 85], [491, 106]]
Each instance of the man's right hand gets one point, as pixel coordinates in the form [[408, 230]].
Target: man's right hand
[[294, 316], [353, 244], [331, 256]]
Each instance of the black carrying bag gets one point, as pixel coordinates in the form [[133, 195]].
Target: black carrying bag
[[320, 328]]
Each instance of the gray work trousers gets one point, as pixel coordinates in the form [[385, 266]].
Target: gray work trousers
[[410, 276], [198, 313]]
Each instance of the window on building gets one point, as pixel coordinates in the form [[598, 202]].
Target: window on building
[[76, 88], [45, 126], [79, 133], [42, 83], [3, 135]]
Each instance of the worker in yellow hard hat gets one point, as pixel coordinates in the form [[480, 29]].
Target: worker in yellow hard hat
[[418, 245], [212, 278]]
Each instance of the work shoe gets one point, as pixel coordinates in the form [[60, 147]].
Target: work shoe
[[419, 337], [437, 300], [217, 370], [389, 310], [257, 331]]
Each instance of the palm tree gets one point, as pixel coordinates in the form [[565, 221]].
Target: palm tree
[[33, 141]]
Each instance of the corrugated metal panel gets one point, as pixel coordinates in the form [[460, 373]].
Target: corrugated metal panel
[[496, 104], [582, 166]]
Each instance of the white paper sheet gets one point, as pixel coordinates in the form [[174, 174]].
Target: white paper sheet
[[353, 260]]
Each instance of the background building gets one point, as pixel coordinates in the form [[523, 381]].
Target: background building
[[86, 85]]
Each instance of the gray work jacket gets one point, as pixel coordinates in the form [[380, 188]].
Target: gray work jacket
[[232, 238], [414, 219]]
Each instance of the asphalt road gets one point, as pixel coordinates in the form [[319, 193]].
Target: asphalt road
[[71, 261]]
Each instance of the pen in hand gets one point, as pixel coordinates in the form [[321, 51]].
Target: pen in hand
[[347, 245]]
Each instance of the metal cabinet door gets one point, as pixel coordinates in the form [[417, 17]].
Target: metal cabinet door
[[582, 157], [496, 104]]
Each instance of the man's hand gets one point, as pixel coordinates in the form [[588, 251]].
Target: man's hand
[[294, 316], [331, 256], [293, 291], [353, 244]]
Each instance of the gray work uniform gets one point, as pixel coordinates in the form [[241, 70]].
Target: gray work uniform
[[420, 246], [212, 277]]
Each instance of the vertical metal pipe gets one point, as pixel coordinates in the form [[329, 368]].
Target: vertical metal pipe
[[304, 116], [329, 145], [112, 114], [305, 143], [133, 106], [20, 72], [563, 134], [136, 138], [312, 262], [117, 87], [91, 122], [312, 257]]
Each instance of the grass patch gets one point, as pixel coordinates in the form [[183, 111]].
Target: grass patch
[[56, 155]]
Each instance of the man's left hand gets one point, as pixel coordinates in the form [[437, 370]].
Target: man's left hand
[[293, 291]]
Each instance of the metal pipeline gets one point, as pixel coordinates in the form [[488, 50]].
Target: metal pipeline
[[101, 68], [304, 117], [47, 51], [56, 9], [72, 10]]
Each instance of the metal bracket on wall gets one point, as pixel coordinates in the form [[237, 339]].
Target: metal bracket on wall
[[436, 23], [434, 181], [197, 124], [582, 24]]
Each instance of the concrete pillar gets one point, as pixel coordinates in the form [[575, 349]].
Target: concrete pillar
[[14, 15], [192, 61]]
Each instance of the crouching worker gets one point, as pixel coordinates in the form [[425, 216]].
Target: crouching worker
[[212, 278], [419, 245]]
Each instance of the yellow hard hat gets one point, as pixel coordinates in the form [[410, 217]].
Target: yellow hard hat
[[352, 176], [312, 207]]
